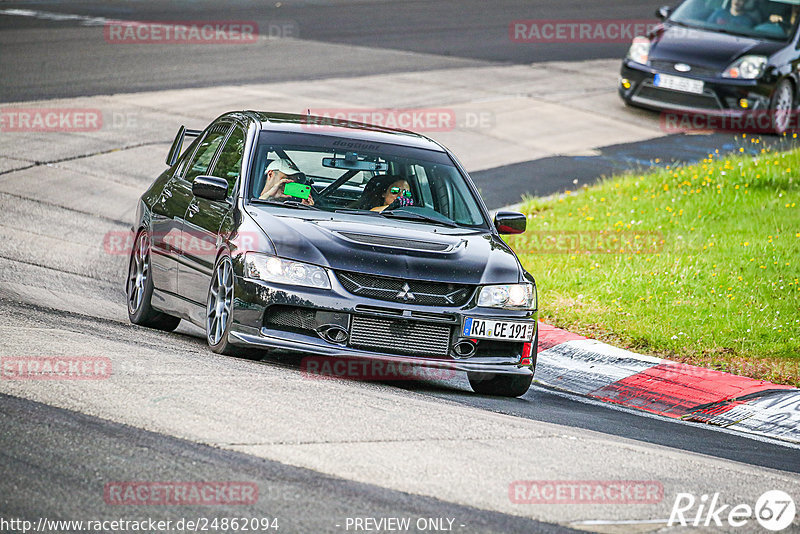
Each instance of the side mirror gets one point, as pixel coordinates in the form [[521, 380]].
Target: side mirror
[[175, 149], [663, 12], [510, 222], [210, 187]]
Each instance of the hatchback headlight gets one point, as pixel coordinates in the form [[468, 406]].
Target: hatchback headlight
[[640, 50], [273, 269], [746, 68], [508, 296]]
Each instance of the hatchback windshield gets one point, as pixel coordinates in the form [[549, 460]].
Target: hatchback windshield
[[769, 19], [398, 182]]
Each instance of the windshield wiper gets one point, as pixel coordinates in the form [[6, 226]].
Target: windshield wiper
[[286, 203], [417, 217], [358, 212]]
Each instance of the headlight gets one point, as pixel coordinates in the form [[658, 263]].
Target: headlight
[[746, 68], [274, 269], [639, 50], [508, 296]]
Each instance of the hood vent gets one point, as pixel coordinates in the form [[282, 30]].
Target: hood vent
[[396, 242]]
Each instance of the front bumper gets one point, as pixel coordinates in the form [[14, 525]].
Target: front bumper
[[720, 95], [255, 303]]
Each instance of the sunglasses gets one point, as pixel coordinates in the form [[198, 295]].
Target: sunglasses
[[396, 191]]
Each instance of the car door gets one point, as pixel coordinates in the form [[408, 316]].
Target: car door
[[175, 199], [203, 221], [166, 226]]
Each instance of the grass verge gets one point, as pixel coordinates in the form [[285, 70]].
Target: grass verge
[[699, 263]]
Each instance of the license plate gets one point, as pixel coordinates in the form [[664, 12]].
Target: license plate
[[676, 83], [503, 330]]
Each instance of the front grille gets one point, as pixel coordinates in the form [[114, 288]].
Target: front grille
[[648, 94], [406, 291], [290, 317], [696, 72], [386, 241], [400, 337]]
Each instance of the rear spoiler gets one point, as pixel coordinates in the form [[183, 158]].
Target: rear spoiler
[[177, 144]]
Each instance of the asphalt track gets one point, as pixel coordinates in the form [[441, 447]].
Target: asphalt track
[[444, 33], [319, 452]]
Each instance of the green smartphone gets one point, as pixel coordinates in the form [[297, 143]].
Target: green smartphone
[[297, 190]]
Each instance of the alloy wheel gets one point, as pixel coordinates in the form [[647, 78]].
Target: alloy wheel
[[138, 272], [220, 301]]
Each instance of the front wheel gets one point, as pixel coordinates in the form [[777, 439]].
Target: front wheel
[[782, 107], [139, 289], [219, 309], [500, 385]]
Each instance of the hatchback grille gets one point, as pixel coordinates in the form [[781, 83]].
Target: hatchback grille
[[400, 337], [648, 94], [406, 291], [696, 70]]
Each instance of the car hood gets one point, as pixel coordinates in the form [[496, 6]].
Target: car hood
[[706, 48], [344, 244]]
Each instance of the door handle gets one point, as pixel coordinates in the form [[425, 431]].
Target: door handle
[[193, 209], [167, 193]]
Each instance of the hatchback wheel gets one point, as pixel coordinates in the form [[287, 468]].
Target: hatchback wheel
[[500, 385], [139, 289], [782, 107]]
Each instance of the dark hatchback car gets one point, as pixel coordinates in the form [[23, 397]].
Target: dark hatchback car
[[261, 233], [730, 57]]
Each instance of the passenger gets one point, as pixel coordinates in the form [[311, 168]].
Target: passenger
[[741, 13], [779, 19], [279, 173], [378, 193]]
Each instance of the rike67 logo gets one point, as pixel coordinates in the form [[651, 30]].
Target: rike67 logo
[[774, 510]]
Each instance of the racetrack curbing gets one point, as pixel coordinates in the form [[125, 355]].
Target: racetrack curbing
[[588, 367]]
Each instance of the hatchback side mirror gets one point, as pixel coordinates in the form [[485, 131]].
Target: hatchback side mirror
[[210, 187], [663, 12], [510, 222]]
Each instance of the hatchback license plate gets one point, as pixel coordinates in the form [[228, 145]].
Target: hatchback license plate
[[676, 83], [502, 330]]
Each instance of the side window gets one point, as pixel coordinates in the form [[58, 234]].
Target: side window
[[229, 163], [205, 152]]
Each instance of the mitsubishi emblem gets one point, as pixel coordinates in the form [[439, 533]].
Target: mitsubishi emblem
[[406, 293]]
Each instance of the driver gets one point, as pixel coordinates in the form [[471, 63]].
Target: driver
[[279, 173], [740, 13]]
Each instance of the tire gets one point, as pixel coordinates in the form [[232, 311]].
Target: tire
[[219, 307], [500, 385], [781, 107], [505, 385], [139, 289]]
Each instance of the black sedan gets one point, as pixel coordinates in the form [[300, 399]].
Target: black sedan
[[730, 57], [339, 240]]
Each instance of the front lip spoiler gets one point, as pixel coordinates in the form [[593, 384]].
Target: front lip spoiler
[[271, 342]]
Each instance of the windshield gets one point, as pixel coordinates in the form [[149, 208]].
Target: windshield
[[753, 18], [381, 181]]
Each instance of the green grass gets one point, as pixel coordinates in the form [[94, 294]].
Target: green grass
[[702, 262]]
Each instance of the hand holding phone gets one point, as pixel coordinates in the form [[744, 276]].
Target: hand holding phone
[[296, 190]]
